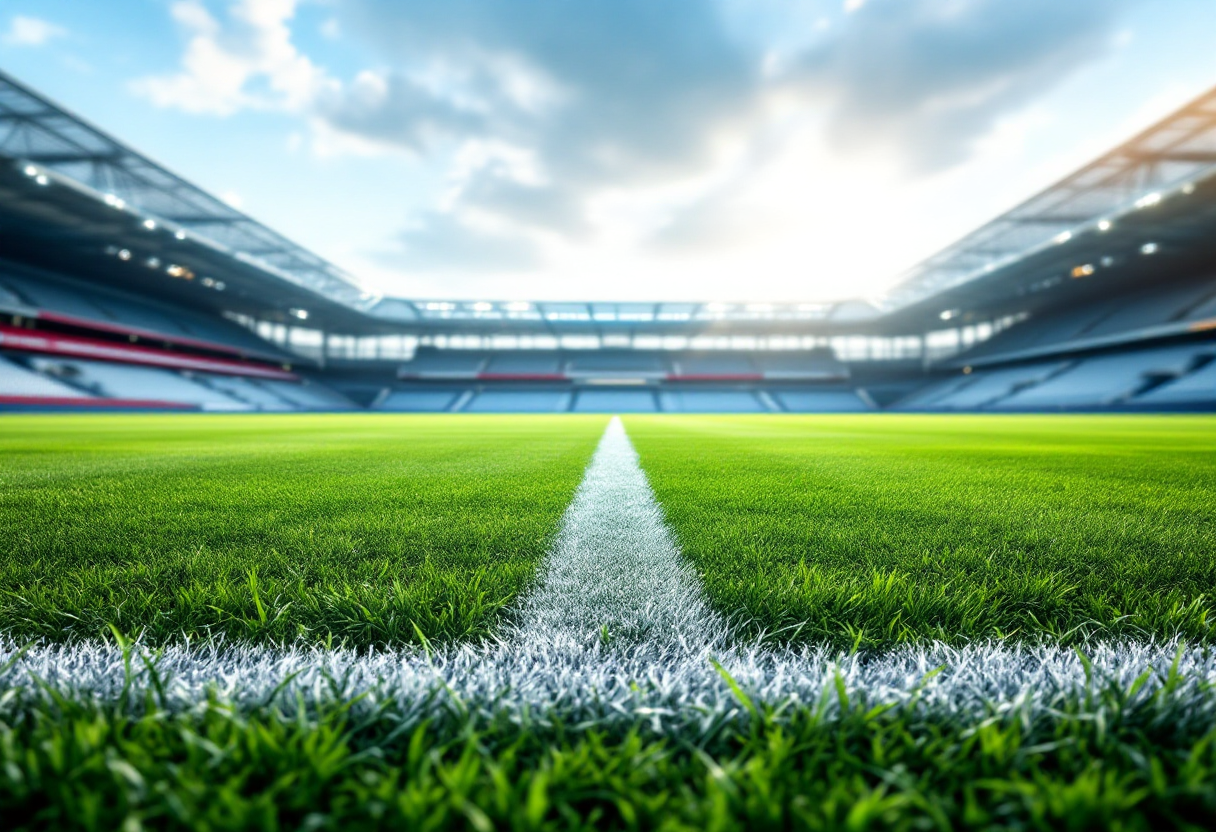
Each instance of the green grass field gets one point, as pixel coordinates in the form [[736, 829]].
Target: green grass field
[[865, 533], [335, 529], [870, 531]]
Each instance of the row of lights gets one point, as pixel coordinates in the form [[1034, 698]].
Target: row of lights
[[1103, 225], [483, 307], [40, 177], [37, 175], [175, 270]]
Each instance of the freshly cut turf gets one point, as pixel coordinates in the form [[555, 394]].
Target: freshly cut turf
[[873, 530], [361, 530]]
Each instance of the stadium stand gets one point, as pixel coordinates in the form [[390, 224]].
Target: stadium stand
[[517, 401], [615, 401], [1196, 389], [617, 362], [123, 285], [800, 364], [247, 391], [980, 389], [709, 364], [131, 382], [17, 383], [436, 363], [1103, 380], [60, 300], [825, 401], [711, 401], [308, 395], [525, 363], [417, 401]]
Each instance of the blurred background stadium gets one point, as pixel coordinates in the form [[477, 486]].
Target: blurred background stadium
[[123, 286]]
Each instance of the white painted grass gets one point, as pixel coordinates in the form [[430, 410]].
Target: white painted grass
[[672, 689], [617, 631], [614, 572]]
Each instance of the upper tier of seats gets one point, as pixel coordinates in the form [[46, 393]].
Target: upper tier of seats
[[1086, 323], [1176, 375], [17, 381], [439, 363], [108, 308]]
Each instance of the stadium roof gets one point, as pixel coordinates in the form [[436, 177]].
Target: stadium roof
[[37, 132], [1175, 153]]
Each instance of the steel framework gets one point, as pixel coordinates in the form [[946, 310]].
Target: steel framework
[[1171, 155], [36, 132]]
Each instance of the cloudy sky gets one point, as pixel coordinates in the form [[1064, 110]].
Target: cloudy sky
[[618, 149]]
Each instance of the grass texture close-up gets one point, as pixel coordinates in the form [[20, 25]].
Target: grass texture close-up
[[362, 531], [871, 531], [1104, 762], [437, 622]]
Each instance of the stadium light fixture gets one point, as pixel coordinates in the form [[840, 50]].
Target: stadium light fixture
[[150, 225], [1063, 237], [947, 314], [1105, 225], [31, 171], [1149, 248], [1083, 271], [179, 234], [115, 202], [301, 314], [42, 179], [1107, 262], [1148, 200], [124, 254], [1188, 188], [152, 262], [482, 306]]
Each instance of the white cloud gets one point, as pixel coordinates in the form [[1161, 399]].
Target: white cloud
[[31, 31], [245, 62], [587, 141]]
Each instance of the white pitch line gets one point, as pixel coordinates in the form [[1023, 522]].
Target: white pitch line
[[614, 570]]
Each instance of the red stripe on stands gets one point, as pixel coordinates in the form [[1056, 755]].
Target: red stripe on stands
[[151, 335], [522, 377], [715, 377], [86, 401], [30, 340]]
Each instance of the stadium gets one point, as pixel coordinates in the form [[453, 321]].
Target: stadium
[[283, 550]]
